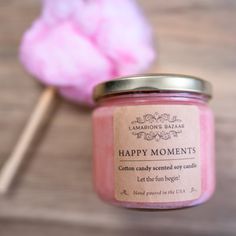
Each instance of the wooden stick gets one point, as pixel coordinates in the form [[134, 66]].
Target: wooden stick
[[13, 163]]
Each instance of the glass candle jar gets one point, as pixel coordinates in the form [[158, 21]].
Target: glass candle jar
[[154, 141]]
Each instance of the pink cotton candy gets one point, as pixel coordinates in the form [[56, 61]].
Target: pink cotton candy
[[76, 44]]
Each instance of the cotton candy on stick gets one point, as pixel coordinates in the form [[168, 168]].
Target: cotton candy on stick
[[71, 47]]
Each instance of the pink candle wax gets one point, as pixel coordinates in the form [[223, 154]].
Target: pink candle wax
[[154, 142]]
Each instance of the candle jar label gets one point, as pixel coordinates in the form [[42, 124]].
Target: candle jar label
[[157, 153]]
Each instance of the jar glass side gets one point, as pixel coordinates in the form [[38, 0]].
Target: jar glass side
[[103, 165]]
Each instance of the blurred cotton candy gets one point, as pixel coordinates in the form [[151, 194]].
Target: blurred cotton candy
[[75, 44]]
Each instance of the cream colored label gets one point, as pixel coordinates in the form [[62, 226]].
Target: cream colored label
[[157, 153]]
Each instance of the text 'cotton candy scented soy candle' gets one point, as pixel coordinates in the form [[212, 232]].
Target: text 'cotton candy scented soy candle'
[[154, 141]]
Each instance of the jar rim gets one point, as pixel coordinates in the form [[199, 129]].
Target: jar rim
[[153, 83]]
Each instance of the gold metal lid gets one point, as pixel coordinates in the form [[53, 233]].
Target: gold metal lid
[[153, 83]]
